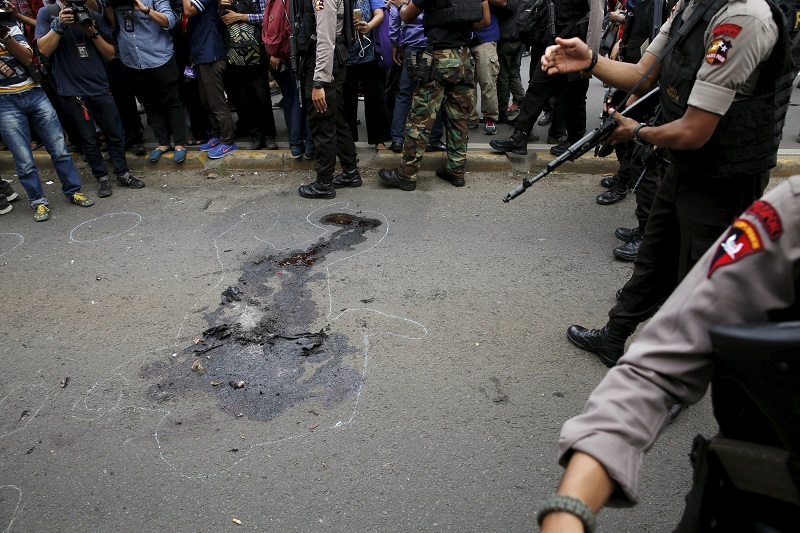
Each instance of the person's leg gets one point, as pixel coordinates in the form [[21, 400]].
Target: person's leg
[[486, 69], [459, 98], [258, 86], [171, 105], [204, 77], [292, 113], [505, 51], [345, 146], [149, 86], [123, 91], [351, 86], [44, 119], [426, 101], [402, 102], [212, 78], [514, 79], [575, 107], [82, 114], [16, 135], [373, 82], [107, 116]]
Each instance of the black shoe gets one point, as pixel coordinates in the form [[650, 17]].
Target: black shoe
[[547, 118], [392, 178], [609, 181], [455, 181], [516, 144], [278, 104], [626, 234], [555, 139], [597, 341], [612, 196], [270, 144], [560, 148], [618, 294], [629, 250], [436, 146], [396, 147], [137, 149], [676, 410], [347, 178], [104, 191], [130, 182], [317, 190]]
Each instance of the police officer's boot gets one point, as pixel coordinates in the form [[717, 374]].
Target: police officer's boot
[[516, 144], [607, 343], [347, 178], [322, 188]]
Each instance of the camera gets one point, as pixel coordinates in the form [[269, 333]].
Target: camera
[[7, 17], [81, 13]]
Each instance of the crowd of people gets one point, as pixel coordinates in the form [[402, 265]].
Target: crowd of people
[[201, 72]]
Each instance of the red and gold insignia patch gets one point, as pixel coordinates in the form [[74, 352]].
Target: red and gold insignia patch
[[769, 218], [319, 5], [726, 30], [717, 52], [742, 240]]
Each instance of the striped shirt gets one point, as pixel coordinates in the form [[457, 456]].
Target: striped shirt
[[19, 81]]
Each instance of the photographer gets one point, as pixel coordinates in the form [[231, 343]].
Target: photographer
[[82, 84], [145, 49], [21, 101]]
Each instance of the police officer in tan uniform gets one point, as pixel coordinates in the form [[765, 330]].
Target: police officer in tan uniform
[[325, 72], [724, 90], [750, 275]]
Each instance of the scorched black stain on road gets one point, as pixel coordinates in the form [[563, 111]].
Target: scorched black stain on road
[[258, 357]]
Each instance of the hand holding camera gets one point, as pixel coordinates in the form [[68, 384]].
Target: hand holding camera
[[76, 11]]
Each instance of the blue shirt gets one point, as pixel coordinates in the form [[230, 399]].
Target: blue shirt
[[206, 41], [490, 33], [75, 76], [148, 45]]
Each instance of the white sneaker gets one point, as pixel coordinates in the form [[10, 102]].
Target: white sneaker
[[11, 197], [6, 209]]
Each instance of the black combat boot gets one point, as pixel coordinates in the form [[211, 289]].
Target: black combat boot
[[392, 178], [629, 250], [516, 144], [609, 181], [346, 178], [322, 188], [612, 195], [455, 181], [607, 343], [625, 234]]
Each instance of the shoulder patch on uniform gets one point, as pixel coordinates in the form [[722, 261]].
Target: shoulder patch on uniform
[[717, 52], [319, 5], [769, 218], [740, 241], [727, 30]]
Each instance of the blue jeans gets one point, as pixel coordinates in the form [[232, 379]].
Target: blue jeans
[[33, 105], [402, 104], [103, 110], [299, 132]]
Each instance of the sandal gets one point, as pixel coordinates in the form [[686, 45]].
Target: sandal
[[193, 142], [380, 146]]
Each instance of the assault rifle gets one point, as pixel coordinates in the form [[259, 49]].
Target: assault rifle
[[295, 62], [594, 139]]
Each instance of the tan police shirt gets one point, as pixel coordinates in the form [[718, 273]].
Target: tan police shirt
[[738, 39], [748, 272], [329, 16]]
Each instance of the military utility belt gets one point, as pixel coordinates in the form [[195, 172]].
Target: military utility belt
[[421, 67]]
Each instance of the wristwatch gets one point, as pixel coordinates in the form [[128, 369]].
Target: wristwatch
[[636, 137], [317, 84]]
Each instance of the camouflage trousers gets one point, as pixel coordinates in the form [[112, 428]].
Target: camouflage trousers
[[452, 88]]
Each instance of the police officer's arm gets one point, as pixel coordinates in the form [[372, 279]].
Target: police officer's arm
[[690, 132], [586, 480], [486, 17], [21, 52], [325, 14]]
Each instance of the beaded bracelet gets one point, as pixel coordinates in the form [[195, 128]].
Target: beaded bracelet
[[58, 26], [568, 504]]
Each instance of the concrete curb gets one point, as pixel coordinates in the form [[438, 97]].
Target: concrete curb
[[479, 159]]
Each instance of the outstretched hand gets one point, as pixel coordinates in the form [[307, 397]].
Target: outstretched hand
[[567, 55]]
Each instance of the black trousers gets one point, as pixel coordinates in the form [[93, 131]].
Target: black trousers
[[372, 80], [689, 213], [124, 93], [157, 90], [541, 87], [631, 168], [329, 129], [248, 89]]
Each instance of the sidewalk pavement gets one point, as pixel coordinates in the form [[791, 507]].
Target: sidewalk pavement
[[480, 158]]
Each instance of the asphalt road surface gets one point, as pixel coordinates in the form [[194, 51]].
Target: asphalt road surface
[[204, 350]]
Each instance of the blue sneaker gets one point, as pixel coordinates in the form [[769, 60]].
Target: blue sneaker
[[212, 143], [221, 150], [297, 151], [310, 153]]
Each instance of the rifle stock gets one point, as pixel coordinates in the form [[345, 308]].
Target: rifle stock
[[595, 138]]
